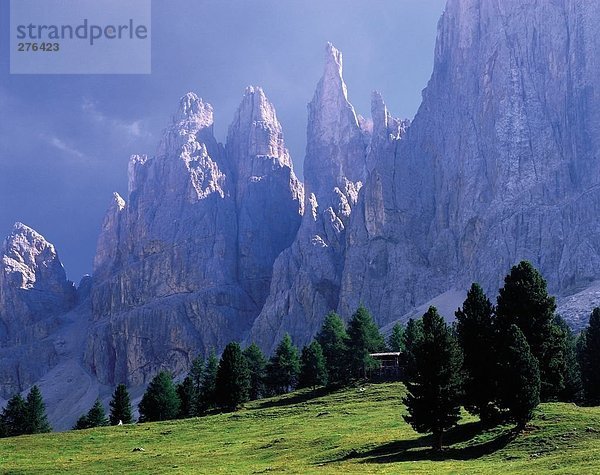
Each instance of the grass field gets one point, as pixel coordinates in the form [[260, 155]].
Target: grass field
[[358, 430]]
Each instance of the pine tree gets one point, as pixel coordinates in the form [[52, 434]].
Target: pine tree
[[363, 339], [96, 416], [524, 301], [196, 375], [396, 339], [284, 367], [160, 401], [233, 378], [82, 423], [188, 398], [520, 377], [476, 335], [573, 389], [120, 406], [13, 418], [257, 364], [333, 340], [590, 359], [207, 397], [433, 378], [313, 369], [36, 420]]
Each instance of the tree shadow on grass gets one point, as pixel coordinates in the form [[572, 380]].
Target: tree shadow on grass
[[296, 398], [420, 448]]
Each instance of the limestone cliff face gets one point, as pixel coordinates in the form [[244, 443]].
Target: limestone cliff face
[[306, 277], [500, 164], [185, 264], [34, 293]]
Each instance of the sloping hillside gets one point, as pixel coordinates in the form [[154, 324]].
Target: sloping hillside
[[358, 430]]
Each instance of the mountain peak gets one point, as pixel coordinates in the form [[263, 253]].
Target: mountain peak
[[333, 60]]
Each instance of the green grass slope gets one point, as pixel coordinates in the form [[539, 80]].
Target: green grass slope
[[351, 431]]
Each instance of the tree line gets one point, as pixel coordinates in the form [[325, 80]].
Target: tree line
[[498, 361]]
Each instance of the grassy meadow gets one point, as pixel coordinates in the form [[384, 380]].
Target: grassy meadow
[[357, 430]]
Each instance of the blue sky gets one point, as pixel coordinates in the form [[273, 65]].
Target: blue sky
[[65, 139]]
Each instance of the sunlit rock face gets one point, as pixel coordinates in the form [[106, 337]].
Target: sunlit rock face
[[184, 264]]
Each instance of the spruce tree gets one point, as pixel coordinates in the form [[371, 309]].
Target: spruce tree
[[433, 379], [82, 423], [476, 335], [207, 397], [196, 375], [396, 339], [363, 338], [233, 378], [284, 367], [524, 301], [257, 364], [36, 420], [590, 359], [519, 387], [13, 418], [188, 398], [160, 401], [120, 406], [313, 369], [333, 340], [96, 416], [573, 389]]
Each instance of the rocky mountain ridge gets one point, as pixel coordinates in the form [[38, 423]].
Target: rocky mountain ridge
[[218, 242]]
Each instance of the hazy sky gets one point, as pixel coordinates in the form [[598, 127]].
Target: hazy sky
[[65, 140]]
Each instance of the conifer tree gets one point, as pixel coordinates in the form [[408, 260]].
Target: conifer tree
[[519, 387], [313, 369], [284, 367], [257, 365], [120, 406], [524, 301], [433, 378], [333, 340], [13, 418], [207, 397], [96, 416], [82, 423], [36, 420], [590, 359], [160, 401], [363, 339], [396, 339], [476, 335], [188, 398], [233, 378], [573, 389]]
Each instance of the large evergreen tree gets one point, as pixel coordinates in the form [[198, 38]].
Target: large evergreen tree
[[363, 338], [433, 379], [257, 365], [590, 359], [476, 335], [207, 398], [160, 401], [313, 369], [333, 339], [13, 418], [120, 406], [233, 378], [524, 302], [36, 420], [519, 387], [284, 367], [396, 338]]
